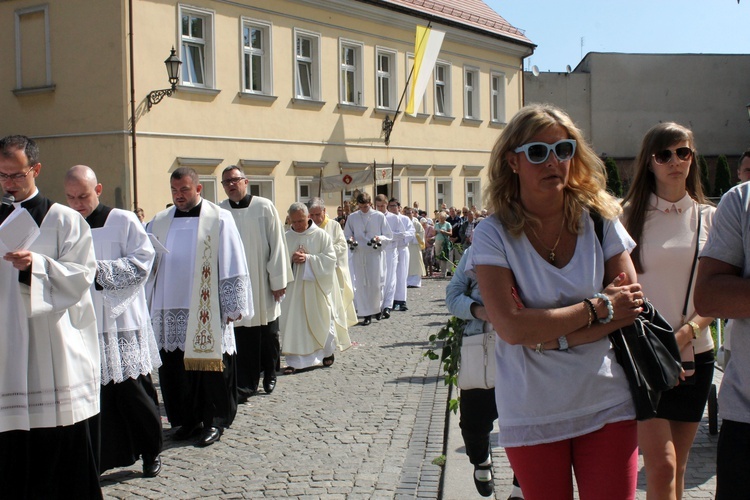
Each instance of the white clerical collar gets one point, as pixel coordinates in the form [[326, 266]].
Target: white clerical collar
[[17, 204]]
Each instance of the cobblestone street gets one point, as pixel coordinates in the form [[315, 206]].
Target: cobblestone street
[[368, 427]]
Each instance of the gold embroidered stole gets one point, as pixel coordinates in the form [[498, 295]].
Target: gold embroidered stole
[[203, 350]]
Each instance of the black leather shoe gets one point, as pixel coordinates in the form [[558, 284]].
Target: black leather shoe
[[386, 313], [484, 488], [187, 431], [378, 316], [151, 466], [269, 384], [366, 321], [210, 436]]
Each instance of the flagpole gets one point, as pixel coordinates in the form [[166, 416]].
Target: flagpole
[[374, 179], [393, 164], [388, 124], [320, 183]]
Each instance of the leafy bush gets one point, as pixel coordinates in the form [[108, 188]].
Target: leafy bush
[[614, 184], [723, 178]]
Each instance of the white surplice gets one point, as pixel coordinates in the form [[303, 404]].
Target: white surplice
[[49, 362], [402, 245], [390, 260], [366, 264], [306, 322], [124, 258], [172, 294], [416, 262], [267, 258], [342, 293]]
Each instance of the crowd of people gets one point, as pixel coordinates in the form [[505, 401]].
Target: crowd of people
[[553, 287], [95, 299], [213, 295]]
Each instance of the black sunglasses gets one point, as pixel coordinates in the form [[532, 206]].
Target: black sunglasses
[[665, 156]]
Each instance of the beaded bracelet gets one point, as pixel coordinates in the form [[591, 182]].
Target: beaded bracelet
[[591, 310], [610, 309]]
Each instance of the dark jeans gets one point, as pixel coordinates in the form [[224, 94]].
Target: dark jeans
[[478, 414], [733, 461]]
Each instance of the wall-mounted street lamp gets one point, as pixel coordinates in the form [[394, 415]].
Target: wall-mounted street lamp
[[173, 70], [747, 106]]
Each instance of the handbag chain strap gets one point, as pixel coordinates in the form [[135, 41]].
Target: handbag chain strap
[[692, 268]]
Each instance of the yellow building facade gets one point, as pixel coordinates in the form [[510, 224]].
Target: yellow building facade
[[286, 89]]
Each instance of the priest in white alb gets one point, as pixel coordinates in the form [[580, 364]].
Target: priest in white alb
[[49, 360], [416, 245], [130, 422], [262, 232], [342, 293], [201, 285], [406, 228], [390, 256], [368, 228], [307, 327]]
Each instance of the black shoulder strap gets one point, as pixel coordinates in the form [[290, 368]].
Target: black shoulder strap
[[598, 226]]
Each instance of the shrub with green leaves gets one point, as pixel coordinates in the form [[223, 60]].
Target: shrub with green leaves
[[723, 177]]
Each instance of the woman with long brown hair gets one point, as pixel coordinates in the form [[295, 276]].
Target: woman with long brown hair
[[668, 216]]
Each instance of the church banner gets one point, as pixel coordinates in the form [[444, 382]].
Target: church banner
[[383, 176], [348, 181]]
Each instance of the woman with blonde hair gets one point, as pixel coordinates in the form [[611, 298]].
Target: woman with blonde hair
[[553, 291], [668, 216], [443, 245]]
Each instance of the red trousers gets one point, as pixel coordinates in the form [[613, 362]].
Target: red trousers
[[605, 463]]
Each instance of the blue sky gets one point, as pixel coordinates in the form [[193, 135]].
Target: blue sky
[[632, 26]]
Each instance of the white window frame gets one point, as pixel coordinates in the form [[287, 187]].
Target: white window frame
[[356, 70], [313, 61], [497, 97], [475, 182], [409, 66], [386, 79], [445, 83], [471, 93], [47, 53], [304, 181], [265, 53], [210, 190], [447, 194], [265, 184], [207, 42]]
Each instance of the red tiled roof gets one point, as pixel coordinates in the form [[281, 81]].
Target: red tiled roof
[[472, 13]]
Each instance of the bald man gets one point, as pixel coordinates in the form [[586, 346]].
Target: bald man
[[130, 421]]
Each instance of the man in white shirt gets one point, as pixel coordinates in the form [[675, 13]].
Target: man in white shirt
[[200, 287], [368, 228], [262, 233], [130, 421], [49, 361]]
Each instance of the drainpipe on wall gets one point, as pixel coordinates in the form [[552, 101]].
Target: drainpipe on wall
[[132, 106]]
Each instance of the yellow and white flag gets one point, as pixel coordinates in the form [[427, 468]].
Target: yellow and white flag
[[426, 50]]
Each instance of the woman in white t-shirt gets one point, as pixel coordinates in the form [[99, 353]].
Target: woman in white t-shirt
[[668, 216], [553, 294]]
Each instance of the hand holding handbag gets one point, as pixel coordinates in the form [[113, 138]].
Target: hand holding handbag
[[477, 366], [648, 353]]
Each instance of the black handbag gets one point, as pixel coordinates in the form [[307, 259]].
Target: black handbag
[[648, 353]]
